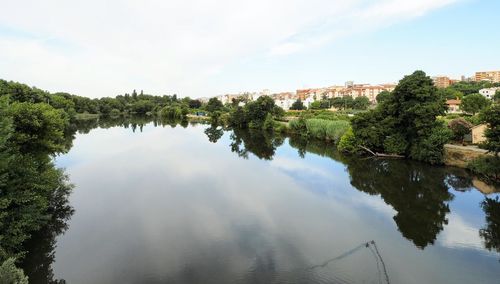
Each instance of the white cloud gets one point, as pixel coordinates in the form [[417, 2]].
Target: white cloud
[[460, 234], [103, 48]]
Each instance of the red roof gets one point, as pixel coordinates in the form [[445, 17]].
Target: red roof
[[453, 102]]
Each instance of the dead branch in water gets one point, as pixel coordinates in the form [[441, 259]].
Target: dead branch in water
[[381, 155]]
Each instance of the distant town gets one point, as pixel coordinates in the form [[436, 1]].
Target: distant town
[[351, 89]]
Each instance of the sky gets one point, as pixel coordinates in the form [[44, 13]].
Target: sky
[[203, 48]]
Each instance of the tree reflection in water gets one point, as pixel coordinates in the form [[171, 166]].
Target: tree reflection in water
[[214, 133], [491, 232], [37, 263], [262, 144], [418, 192]]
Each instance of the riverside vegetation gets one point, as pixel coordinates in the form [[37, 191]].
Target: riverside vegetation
[[36, 125]]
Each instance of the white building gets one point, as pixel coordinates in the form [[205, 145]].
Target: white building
[[489, 92], [308, 101]]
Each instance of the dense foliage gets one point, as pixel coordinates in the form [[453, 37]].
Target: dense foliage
[[474, 103], [488, 167], [471, 87], [405, 122], [133, 103], [256, 114], [10, 274], [491, 117], [32, 190]]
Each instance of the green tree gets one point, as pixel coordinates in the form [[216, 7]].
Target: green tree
[[450, 93], [297, 105], [471, 87], [383, 96], [491, 116], [214, 105], [408, 114], [38, 128], [474, 103], [361, 103], [237, 117], [258, 110], [194, 103]]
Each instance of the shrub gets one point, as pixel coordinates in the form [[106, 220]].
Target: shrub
[[348, 142], [460, 127], [268, 122], [430, 149], [487, 167]]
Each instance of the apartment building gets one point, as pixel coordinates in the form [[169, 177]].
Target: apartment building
[[442, 81], [492, 76]]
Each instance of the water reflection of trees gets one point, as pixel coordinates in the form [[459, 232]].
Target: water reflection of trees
[[214, 133], [262, 144], [491, 232], [419, 193], [134, 122], [37, 263]]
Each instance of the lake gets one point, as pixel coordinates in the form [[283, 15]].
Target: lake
[[198, 204]]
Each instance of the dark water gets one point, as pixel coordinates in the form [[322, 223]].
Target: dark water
[[203, 205]]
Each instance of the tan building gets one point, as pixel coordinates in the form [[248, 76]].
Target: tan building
[[492, 76], [442, 81], [477, 133]]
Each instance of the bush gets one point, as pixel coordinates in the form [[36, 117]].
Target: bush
[[430, 149], [460, 127], [10, 274], [487, 167], [268, 122], [348, 142]]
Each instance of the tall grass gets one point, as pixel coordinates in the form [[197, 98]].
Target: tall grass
[[330, 130]]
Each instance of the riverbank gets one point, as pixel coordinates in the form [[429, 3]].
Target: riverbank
[[460, 156]]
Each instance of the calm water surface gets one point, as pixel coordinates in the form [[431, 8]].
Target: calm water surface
[[200, 205]]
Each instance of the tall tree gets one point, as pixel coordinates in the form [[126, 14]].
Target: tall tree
[[406, 123]]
